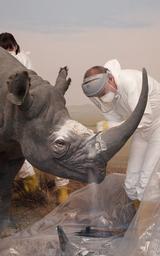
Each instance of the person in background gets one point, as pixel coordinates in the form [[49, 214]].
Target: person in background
[[115, 92], [9, 43]]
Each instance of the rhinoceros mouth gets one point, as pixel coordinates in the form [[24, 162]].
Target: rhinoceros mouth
[[88, 175]]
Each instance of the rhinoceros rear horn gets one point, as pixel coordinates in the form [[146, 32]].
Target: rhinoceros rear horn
[[18, 89]]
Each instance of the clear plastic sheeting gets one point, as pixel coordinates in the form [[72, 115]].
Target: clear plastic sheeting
[[104, 208], [143, 236]]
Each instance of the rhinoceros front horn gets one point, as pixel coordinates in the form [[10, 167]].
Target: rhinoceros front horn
[[112, 140], [18, 90]]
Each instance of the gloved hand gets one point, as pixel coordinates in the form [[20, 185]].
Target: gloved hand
[[62, 190], [62, 194], [31, 183], [102, 125]]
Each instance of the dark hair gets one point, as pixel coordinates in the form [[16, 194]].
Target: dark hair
[[95, 70], [8, 42]]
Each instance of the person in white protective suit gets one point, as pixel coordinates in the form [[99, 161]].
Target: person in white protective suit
[[115, 92], [8, 42]]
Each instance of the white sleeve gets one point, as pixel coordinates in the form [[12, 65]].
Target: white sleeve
[[26, 170], [24, 59], [113, 118], [28, 63], [133, 97]]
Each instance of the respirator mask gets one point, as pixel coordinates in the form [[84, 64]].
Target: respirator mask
[[95, 86]]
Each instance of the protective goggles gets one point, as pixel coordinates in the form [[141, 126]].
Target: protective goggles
[[94, 85]]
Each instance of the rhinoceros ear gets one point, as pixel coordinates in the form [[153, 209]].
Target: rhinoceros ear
[[62, 83], [18, 89]]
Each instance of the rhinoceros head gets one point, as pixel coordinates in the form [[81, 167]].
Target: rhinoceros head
[[48, 137]]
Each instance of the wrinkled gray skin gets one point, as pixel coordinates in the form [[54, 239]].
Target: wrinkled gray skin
[[35, 124]]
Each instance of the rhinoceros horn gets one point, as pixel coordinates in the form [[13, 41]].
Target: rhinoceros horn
[[112, 140]]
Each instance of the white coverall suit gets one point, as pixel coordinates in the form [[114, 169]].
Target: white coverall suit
[[145, 147]]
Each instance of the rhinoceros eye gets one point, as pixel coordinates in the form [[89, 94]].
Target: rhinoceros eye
[[60, 143], [60, 147]]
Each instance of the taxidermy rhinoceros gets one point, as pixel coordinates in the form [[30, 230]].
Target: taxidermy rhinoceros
[[35, 125]]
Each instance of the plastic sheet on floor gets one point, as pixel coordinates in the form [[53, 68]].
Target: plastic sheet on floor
[[143, 235], [104, 209]]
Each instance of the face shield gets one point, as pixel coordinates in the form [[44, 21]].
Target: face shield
[[93, 87]]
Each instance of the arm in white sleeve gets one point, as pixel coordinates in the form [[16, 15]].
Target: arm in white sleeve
[[28, 63], [24, 59], [113, 118], [133, 97]]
